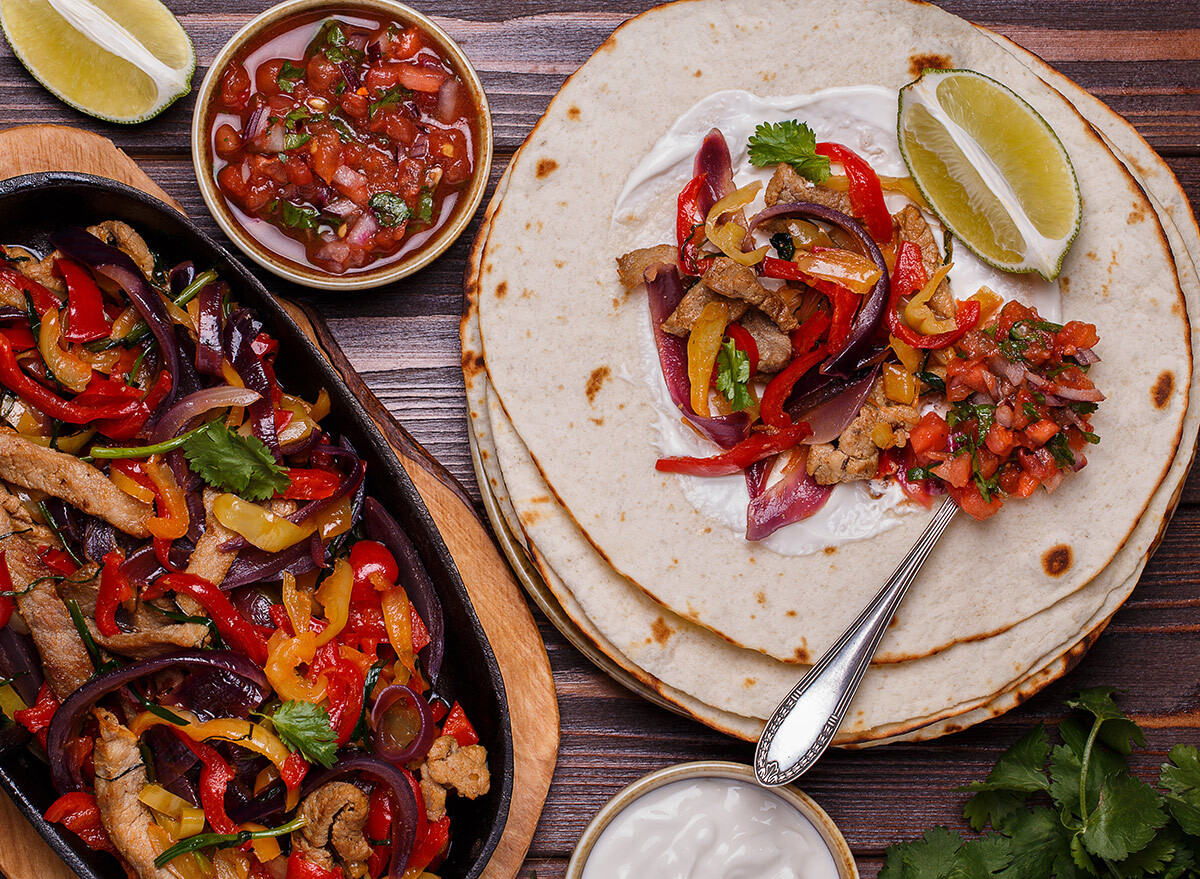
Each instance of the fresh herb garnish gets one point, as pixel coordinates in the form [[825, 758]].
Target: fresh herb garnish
[[733, 371], [933, 381], [424, 213], [390, 209], [224, 840], [239, 464], [1063, 456], [295, 117], [372, 678], [395, 95], [917, 474], [1072, 810], [1031, 411], [289, 75], [295, 216], [791, 143], [294, 139], [306, 728], [344, 129], [784, 245], [85, 635], [159, 711]]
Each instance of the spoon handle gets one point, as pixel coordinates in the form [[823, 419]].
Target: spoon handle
[[805, 722]]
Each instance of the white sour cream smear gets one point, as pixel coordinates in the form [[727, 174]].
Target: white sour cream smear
[[862, 118], [710, 828]]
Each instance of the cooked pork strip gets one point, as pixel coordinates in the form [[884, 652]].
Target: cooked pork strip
[[737, 281], [78, 483], [152, 634], [687, 312], [120, 776], [631, 267]]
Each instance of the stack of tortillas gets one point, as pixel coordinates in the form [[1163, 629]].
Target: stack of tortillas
[[682, 608]]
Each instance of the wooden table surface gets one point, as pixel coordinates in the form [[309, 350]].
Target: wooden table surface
[[1142, 57]]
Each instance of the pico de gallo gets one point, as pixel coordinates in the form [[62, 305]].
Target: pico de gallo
[[351, 137], [228, 652], [818, 342]]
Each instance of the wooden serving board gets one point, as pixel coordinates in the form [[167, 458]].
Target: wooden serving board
[[498, 601]]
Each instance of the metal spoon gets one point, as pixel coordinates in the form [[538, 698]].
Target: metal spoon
[[805, 722]]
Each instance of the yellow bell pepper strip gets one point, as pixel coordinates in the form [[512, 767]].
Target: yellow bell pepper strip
[[297, 603], [906, 353], [703, 345], [285, 655], [243, 733], [397, 617], [241, 634], [173, 518], [266, 848], [301, 424], [259, 525], [334, 595], [190, 820], [839, 266], [918, 313], [321, 407], [70, 371], [729, 236]]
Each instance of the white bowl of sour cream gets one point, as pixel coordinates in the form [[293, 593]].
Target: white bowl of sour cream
[[710, 820]]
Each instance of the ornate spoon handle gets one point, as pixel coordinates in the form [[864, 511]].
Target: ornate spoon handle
[[805, 722]]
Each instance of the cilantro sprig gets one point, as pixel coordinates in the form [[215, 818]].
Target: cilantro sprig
[[733, 372], [307, 729], [238, 464], [788, 143], [1071, 811]]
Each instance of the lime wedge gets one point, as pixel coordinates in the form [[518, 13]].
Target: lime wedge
[[992, 170], [118, 60]]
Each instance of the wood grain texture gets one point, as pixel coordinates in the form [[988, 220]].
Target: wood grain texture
[[498, 601], [403, 341]]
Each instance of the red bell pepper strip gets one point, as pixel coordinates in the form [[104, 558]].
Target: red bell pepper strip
[[741, 456], [688, 223], [458, 726], [72, 412], [430, 845], [43, 299], [57, 560], [215, 775], [866, 195], [369, 557], [115, 590], [781, 386], [845, 305], [420, 634], [85, 305], [745, 343], [128, 426], [19, 336], [365, 629], [344, 683], [6, 591], [805, 337], [240, 634], [379, 827], [79, 813], [299, 867], [37, 717], [909, 277], [309, 484]]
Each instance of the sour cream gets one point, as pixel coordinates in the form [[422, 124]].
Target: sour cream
[[710, 828], [862, 118]]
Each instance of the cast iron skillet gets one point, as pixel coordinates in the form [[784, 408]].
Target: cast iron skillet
[[33, 206]]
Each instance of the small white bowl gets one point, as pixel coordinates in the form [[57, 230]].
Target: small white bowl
[[310, 276], [834, 841]]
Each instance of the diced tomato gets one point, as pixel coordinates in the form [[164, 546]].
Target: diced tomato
[[928, 436], [1041, 432], [1000, 440], [956, 472], [1075, 335], [972, 502], [321, 74]]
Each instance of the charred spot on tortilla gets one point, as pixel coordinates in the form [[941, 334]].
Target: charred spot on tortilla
[[791, 613], [1137, 215], [546, 167], [1057, 560], [502, 289], [1163, 385], [599, 422], [698, 74], [760, 597], [661, 631], [472, 364], [750, 682], [573, 112], [800, 654], [530, 517], [596, 381], [829, 550], [927, 60]]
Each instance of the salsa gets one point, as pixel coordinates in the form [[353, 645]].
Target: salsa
[[350, 138]]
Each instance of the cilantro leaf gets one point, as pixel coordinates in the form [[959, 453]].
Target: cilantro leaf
[[1118, 730], [1041, 846], [289, 75], [295, 216], [425, 207], [1150, 860], [294, 139], [995, 807], [1181, 776], [1125, 819], [733, 371], [980, 858], [238, 464], [306, 728], [390, 209], [933, 856], [791, 143], [1020, 768], [397, 94]]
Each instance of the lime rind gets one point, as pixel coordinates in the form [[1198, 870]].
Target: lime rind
[[172, 83], [1048, 253]]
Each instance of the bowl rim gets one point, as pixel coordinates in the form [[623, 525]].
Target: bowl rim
[[426, 534], [287, 268], [804, 804]]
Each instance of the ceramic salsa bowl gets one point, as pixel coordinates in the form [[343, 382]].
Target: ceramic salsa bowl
[[233, 222], [34, 205]]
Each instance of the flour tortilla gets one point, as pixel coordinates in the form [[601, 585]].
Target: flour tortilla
[[552, 315], [746, 727]]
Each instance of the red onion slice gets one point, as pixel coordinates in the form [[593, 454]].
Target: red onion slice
[[794, 497], [713, 161], [828, 416], [194, 405], [384, 746], [665, 290]]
